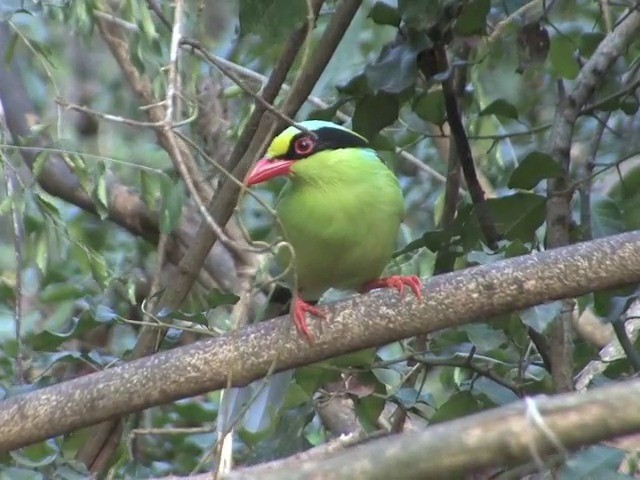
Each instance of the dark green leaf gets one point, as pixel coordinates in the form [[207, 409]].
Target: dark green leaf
[[562, 57], [611, 307], [473, 18], [368, 410], [589, 41], [432, 240], [216, 298], [539, 317], [384, 14], [460, 404], [327, 114], [629, 105], [374, 112], [430, 107], [356, 86], [535, 167], [518, 216], [270, 19], [395, 70], [500, 108]]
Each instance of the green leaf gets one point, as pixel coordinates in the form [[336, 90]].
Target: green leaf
[[216, 298], [98, 267], [58, 292], [535, 167], [500, 108], [473, 18], [589, 41], [606, 217], [99, 193], [171, 204], [395, 70], [368, 410], [611, 307], [430, 107], [37, 455], [374, 112], [270, 20], [384, 14], [562, 57], [484, 337], [518, 216], [539, 317], [148, 189], [460, 404], [432, 240], [10, 49]]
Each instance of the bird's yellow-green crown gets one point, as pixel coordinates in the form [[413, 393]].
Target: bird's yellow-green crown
[[281, 143]]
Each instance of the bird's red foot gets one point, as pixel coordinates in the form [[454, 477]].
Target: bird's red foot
[[298, 310], [398, 282]]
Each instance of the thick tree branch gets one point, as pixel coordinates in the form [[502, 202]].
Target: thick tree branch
[[506, 436], [360, 322], [559, 194]]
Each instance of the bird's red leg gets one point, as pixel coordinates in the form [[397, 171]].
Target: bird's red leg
[[398, 282], [298, 310]]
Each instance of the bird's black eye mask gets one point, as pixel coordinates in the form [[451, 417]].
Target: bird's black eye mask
[[326, 138]]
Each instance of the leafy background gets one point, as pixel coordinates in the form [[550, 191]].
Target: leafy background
[[84, 279]]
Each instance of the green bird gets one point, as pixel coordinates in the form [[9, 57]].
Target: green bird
[[340, 211]]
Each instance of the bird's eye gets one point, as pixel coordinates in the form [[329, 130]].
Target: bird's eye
[[304, 146]]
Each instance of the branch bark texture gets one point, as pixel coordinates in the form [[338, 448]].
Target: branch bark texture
[[353, 324]]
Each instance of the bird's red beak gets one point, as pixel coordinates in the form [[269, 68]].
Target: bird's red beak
[[268, 168]]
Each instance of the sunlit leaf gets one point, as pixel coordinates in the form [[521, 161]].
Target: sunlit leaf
[[562, 57], [36, 455]]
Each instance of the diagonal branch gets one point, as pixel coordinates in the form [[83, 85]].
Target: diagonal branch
[[360, 322]]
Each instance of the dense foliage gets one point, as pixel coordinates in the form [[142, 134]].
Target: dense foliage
[[85, 285]]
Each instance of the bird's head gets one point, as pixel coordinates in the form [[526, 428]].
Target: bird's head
[[294, 146]]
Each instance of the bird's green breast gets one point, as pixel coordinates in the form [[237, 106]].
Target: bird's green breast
[[341, 213]]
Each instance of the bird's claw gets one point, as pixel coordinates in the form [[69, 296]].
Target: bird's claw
[[398, 282], [298, 311]]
